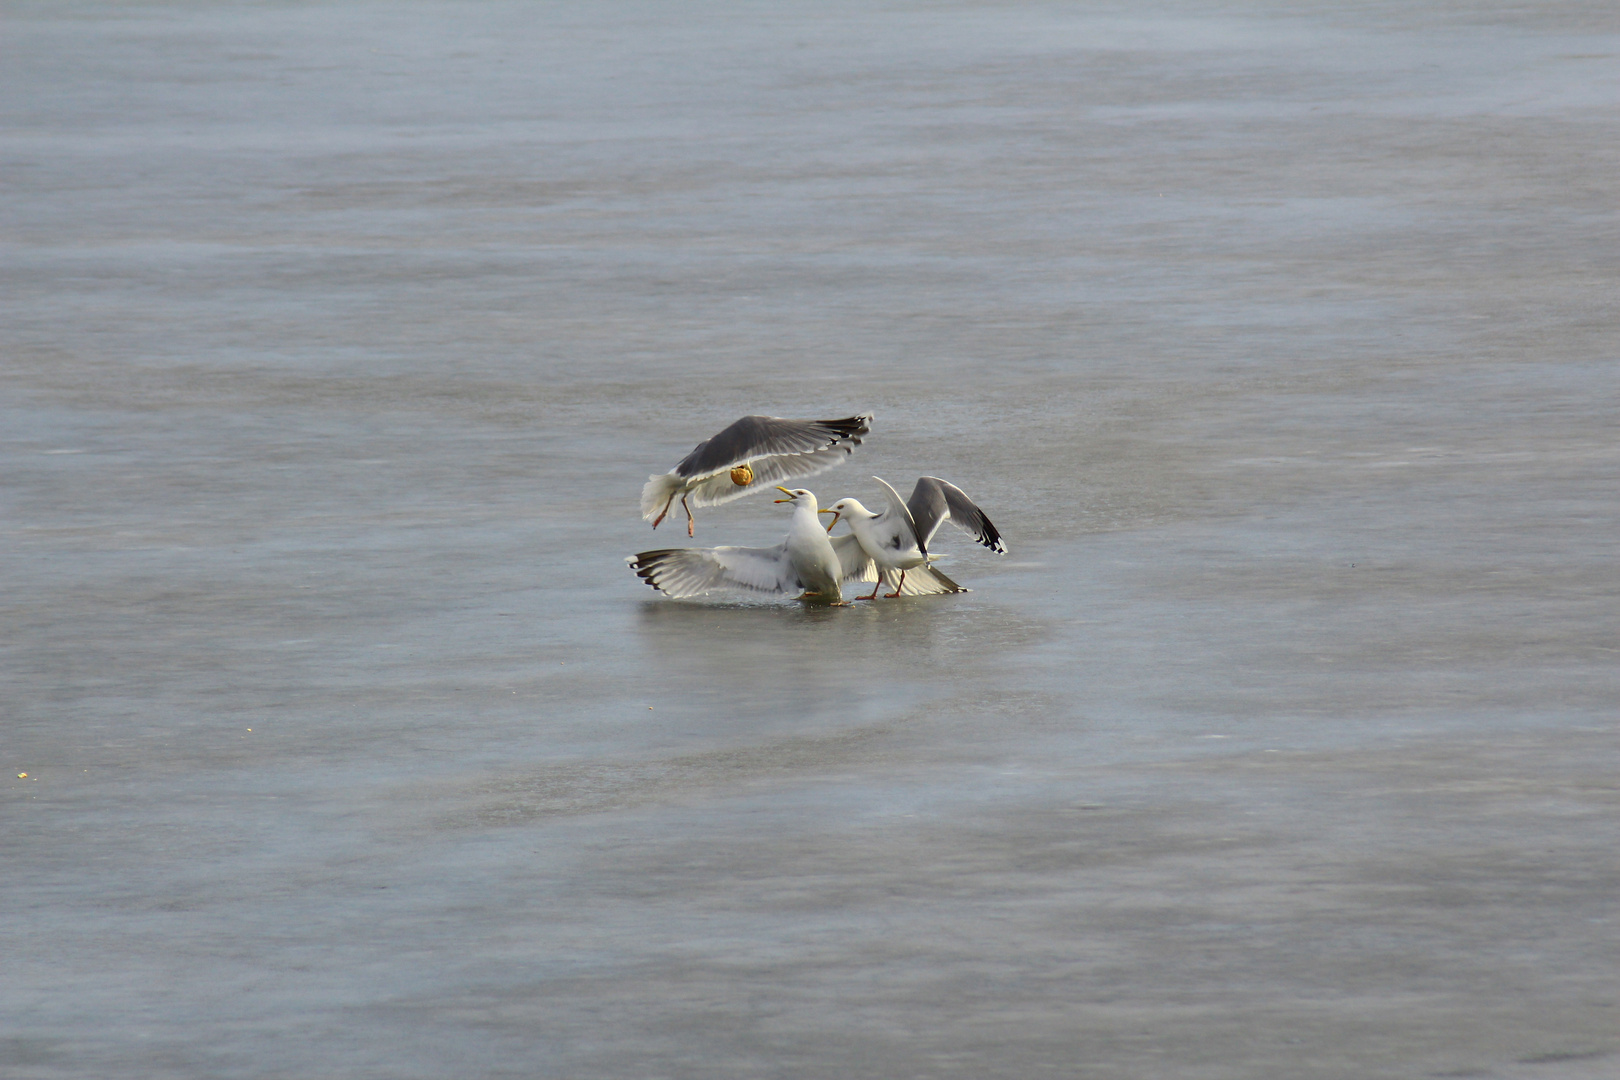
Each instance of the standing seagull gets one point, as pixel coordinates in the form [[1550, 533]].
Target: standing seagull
[[753, 453], [898, 538], [808, 559]]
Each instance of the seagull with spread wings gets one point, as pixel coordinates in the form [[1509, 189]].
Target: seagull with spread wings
[[897, 539], [807, 560], [755, 453]]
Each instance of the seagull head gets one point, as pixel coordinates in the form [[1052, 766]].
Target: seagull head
[[843, 508], [797, 495]]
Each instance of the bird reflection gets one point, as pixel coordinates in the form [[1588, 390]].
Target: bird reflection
[[811, 657]]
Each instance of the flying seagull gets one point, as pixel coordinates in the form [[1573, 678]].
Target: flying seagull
[[897, 539], [808, 560], [754, 453]]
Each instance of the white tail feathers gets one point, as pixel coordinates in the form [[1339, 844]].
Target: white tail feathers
[[660, 488]]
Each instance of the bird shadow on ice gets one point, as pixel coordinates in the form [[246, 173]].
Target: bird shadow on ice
[[913, 638], [821, 628], [801, 658]]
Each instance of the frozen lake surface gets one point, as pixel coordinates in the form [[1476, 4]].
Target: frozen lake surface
[[1279, 341]]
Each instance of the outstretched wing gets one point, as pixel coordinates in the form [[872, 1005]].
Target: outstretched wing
[[921, 581], [856, 564], [756, 437], [895, 528], [682, 572], [933, 501], [768, 472]]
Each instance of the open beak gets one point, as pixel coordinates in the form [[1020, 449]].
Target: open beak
[[836, 515], [785, 491]]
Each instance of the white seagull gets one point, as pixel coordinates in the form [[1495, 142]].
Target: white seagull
[[808, 560], [754, 453], [897, 539]]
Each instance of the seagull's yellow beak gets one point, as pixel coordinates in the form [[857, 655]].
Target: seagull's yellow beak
[[785, 491], [836, 515]]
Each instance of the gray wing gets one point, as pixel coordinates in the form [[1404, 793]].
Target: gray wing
[[921, 581], [933, 501], [693, 571], [756, 437], [856, 564], [895, 527], [768, 472]]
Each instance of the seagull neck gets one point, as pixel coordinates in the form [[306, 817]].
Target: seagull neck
[[860, 524]]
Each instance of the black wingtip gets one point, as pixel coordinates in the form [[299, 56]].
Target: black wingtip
[[646, 564], [989, 535], [850, 429]]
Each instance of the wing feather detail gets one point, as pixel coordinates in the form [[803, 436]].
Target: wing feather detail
[[755, 437], [681, 572], [856, 564], [922, 581], [934, 501], [895, 528], [768, 472]]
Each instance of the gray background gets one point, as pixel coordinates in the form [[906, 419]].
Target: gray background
[[1280, 342]]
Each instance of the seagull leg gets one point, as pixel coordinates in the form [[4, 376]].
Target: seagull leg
[[897, 588], [875, 589], [691, 529], [665, 511]]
